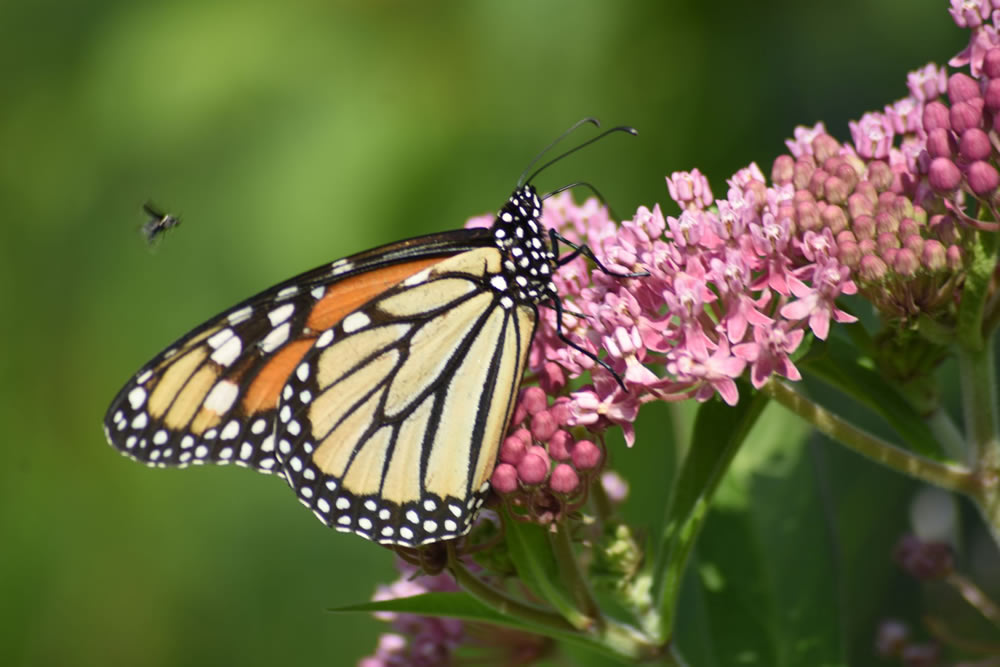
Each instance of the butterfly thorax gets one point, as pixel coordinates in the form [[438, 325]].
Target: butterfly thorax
[[528, 259]]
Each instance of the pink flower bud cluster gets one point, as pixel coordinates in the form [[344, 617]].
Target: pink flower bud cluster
[[542, 469]]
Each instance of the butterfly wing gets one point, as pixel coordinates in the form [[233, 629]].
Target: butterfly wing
[[390, 425], [212, 396]]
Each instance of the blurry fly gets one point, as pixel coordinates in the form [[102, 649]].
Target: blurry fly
[[158, 224]]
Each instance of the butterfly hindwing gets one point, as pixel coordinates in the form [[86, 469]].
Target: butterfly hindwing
[[212, 396], [390, 425]]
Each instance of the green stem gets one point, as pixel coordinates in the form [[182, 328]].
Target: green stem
[[501, 602], [979, 405], [947, 433], [947, 476], [569, 570]]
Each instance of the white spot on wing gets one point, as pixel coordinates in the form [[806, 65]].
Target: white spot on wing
[[287, 292], [230, 430], [355, 321], [281, 313], [241, 315], [275, 339], [137, 397], [216, 340], [417, 278], [228, 352], [325, 338], [222, 396]]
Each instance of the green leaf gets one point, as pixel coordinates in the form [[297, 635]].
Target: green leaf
[[718, 433], [537, 569], [843, 368], [452, 605], [463, 606], [793, 560]]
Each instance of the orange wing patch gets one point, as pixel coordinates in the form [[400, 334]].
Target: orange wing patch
[[338, 301], [343, 298]]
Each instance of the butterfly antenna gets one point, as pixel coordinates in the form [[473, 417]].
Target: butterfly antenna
[[584, 184], [620, 128], [573, 128]]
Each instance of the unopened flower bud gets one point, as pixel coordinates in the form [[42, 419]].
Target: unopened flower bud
[[586, 455], [933, 256], [849, 253], [504, 478], [816, 183], [913, 242], [863, 227], [543, 425], [804, 168], [991, 63], [560, 444], [966, 114], [887, 240], [954, 257], [512, 450], [908, 227], [991, 96], [552, 378], [941, 143], [936, 115], [886, 223], [534, 467], [905, 263], [867, 246], [534, 400], [982, 177], [836, 189], [879, 175], [783, 169], [860, 204], [807, 216], [825, 146], [943, 175], [872, 268], [962, 87], [564, 479], [834, 218], [889, 255]]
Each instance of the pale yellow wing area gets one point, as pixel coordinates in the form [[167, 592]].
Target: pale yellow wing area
[[391, 425]]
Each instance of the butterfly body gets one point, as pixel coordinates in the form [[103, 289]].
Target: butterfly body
[[379, 386]]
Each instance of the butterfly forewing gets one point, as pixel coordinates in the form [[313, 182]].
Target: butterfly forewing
[[390, 425], [212, 397]]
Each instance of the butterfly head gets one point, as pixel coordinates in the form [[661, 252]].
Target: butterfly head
[[528, 257]]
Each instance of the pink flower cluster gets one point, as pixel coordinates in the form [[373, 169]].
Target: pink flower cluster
[[417, 640], [735, 284]]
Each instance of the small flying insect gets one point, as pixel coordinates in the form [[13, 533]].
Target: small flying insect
[[158, 223]]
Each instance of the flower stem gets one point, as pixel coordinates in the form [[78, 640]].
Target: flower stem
[[979, 404], [500, 601], [947, 476], [569, 569]]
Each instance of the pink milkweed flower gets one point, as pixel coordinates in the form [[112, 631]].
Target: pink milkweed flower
[[769, 353], [817, 302], [689, 189]]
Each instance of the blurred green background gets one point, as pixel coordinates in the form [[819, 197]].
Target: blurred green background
[[289, 135]]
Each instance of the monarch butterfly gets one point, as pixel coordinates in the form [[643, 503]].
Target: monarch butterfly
[[379, 386], [158, 223]]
